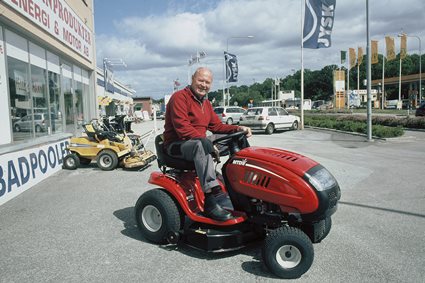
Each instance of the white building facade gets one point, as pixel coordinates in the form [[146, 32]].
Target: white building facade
[[47, 86]]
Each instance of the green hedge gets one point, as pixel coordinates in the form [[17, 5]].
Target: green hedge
[[355, 123]]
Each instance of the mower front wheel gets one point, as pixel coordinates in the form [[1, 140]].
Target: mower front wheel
[[288, 252], [157, 216], [71, 161], [107, 160]]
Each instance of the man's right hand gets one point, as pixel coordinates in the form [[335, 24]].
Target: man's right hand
[[247, 130]]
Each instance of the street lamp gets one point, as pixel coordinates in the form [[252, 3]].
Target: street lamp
[[224, 69]]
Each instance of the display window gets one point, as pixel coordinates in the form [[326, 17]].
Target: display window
[[55, 93], [20, 99], [47, 95]]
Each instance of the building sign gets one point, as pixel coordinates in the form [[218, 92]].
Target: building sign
[[60, 21], [21, 170]]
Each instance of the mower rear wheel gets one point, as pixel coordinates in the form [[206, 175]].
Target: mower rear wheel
[[288, 252], [107, 160], [157, 216], [71, 161]]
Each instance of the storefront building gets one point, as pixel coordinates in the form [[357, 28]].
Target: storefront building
[[47, 86]]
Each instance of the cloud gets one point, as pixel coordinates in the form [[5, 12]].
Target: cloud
[[157, 47]]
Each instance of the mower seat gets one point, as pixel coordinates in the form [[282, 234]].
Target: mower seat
[[94, 133], [164, 160]]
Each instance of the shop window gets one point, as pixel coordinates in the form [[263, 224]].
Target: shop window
[[20, 99], [55, 101], [54, 97], [39, 101], [79, 97]]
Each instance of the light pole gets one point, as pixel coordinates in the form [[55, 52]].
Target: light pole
[[225, 80]]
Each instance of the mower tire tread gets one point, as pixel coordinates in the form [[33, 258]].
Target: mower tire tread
[[293, 240], [169, 212]]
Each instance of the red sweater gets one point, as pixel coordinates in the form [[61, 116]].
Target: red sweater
[[186, 118]]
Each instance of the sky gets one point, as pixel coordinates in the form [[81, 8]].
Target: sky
[[156, 38]]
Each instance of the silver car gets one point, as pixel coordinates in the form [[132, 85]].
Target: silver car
[[269, 119], [229, 114], [25, 123]]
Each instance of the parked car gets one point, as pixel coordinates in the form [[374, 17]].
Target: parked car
[[25, 123], [160, 115], [229, 114], [269, 119], [420, 111]]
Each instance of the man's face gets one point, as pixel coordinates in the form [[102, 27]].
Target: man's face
[[201, 82]]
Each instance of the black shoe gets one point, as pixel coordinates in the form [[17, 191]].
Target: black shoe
[[213, 210]]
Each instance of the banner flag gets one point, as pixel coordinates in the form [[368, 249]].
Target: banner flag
[[374, 45], [359, 55], [343, 57], [318, 23], [403, 46], [389, 42], [231, 67], [352, 57]]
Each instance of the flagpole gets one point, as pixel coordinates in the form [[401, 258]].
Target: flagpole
[[368, 75], [302, 66], [383, 80], [348, 81]]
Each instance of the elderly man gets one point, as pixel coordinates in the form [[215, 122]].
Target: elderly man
[[189, 115]]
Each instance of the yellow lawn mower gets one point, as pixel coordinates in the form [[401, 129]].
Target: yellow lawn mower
[[108, 148]]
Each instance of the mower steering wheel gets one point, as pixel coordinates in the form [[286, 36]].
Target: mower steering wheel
[[231, 137]]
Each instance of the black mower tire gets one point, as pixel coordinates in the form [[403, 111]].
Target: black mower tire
[[288, 252], [157, 216], [269, 129], [107, 160], [71, 162]]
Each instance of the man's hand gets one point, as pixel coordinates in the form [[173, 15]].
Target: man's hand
[[247, 130]]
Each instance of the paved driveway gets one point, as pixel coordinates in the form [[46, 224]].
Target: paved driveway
[[78, 226]]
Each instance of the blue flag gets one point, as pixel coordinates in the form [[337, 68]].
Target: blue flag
[[318, 23], [231, 67]]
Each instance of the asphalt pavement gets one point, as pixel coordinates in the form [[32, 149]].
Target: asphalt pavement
[[78, 226]]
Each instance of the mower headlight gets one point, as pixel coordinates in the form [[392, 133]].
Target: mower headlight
[[321, 179]]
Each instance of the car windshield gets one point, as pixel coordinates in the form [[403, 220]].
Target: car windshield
[[218, 110], [254, 111]]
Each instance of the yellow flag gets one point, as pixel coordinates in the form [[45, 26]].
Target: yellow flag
[[389, 41], [359, 55], [374, 44], [352, 57], [403, 46]]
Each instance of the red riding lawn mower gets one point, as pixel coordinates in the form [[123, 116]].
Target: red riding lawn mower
[[280, 196]]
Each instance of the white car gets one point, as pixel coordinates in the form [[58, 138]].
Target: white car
[[269, 119], [229, 114]]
